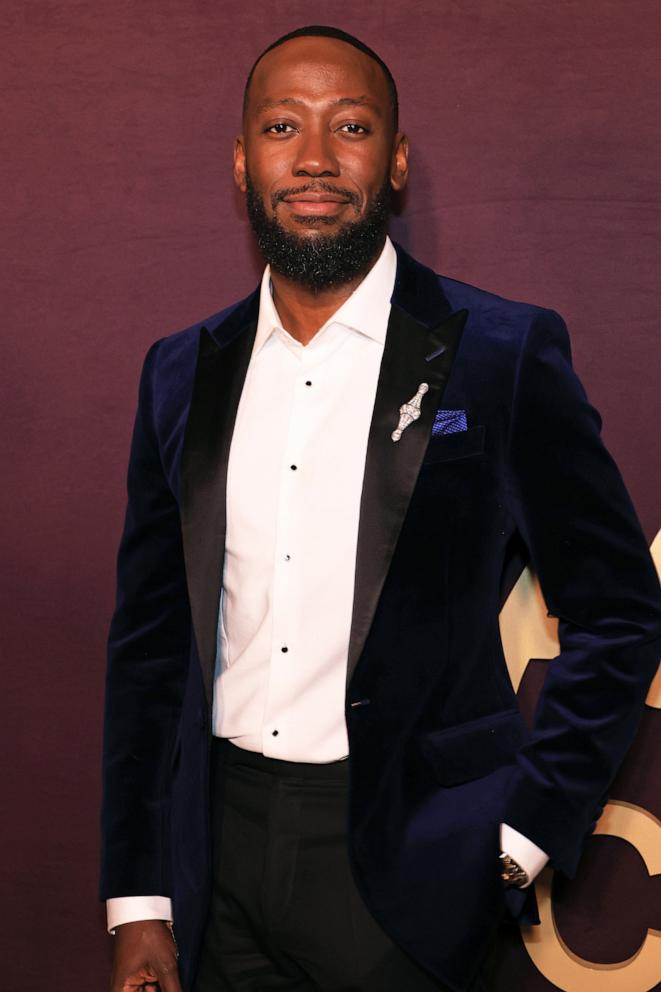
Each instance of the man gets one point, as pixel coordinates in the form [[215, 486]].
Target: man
[[326, 485]]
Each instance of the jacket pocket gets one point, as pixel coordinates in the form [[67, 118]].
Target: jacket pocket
[[476, 748], [463, 444]]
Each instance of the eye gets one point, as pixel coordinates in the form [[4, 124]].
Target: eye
[[281, 127], [352, 128]]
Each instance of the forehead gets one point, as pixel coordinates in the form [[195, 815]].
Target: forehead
[[317, 69]]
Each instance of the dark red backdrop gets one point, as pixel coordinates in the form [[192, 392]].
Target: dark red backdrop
[[535, 173]]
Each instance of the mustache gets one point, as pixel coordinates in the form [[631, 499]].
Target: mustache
[[316, 187]]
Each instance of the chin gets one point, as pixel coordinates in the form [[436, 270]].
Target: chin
[[311, 223]]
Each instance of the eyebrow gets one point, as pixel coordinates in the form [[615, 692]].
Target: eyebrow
[[345, 101]]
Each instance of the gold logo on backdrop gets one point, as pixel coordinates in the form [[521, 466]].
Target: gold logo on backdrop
[[528, 632], [552, 956]]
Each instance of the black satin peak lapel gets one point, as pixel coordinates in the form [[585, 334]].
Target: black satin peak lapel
[[413, 354], [221, 370]]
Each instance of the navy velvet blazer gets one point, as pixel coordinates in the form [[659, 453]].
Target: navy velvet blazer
[[439, 754]]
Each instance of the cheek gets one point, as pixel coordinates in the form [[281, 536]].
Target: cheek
[[272, 171], [367, 169]]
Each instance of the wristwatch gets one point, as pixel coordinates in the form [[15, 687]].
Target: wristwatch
[[511, 872]]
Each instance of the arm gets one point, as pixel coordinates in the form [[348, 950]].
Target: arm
[[148, 651], [571, 507]]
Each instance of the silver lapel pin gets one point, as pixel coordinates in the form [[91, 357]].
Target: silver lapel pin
[[409, 412]]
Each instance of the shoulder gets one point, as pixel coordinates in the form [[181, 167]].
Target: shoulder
[[489, 309], [178, 345], [172, 358], [504, 341], [490, 316], [168, 369], [500, 331]]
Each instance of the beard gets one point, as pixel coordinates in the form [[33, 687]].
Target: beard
[[323, 260]]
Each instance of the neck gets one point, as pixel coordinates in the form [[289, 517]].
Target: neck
[[304, 311]]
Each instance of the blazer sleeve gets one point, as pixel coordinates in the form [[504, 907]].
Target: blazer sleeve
[[598, 579], [148, 653]]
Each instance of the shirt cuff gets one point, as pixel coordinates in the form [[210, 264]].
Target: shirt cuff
[[526, 854], [131, 909]]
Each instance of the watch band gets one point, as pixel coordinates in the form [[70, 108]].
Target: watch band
[[511, 872]]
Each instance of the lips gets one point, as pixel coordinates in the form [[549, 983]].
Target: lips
[[315, 198], [315, 204]]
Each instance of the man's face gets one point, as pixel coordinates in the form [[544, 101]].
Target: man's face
[[318, 159]]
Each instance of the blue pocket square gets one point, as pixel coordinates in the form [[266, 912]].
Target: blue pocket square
[[449, 422]]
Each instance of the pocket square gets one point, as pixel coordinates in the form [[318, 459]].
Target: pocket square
[[449, 422]]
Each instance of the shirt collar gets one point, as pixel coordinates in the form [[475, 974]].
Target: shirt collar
[[367, 309]]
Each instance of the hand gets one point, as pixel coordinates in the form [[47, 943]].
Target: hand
[[145, 957], [512, 874]]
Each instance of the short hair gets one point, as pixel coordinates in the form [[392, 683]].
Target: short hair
[[324, 31]]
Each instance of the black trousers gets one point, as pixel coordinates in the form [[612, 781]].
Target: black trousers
[[285, 911]]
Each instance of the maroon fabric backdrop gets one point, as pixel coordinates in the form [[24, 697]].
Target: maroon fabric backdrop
[[535, 173]]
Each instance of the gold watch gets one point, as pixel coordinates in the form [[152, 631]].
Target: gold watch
[[511, 872]]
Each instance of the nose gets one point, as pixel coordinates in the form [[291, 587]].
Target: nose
[[314, 154]]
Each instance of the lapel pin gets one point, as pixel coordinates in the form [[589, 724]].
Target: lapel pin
[[409, 412]]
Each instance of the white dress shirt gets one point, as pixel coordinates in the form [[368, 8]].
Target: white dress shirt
[[294, 483]]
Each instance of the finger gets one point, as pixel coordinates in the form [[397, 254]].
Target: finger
[[168, 977], [160, 974], [144, 977]]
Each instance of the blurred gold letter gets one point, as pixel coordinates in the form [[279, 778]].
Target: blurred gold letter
[[639, 973]]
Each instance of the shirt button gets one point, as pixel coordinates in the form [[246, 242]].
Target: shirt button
[[287, 557], [293, 467], [308, 383], [274, 733], [284, 649]]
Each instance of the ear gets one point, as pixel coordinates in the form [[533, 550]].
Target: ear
[[240, 164], [399, 165]]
